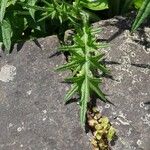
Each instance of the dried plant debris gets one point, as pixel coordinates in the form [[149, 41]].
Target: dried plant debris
[[102, 130]]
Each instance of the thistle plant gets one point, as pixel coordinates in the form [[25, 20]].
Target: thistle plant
[[85, 58]]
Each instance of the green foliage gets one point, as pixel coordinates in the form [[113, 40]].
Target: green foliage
[[6, 34], [32, 18], [32, 10], [143, 13], [102, 130], [138, 3], [84, 60], [16, 19], [3, 9], [95, 5], [118, 7]]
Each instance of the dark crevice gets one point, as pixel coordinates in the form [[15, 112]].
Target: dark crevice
[[37, 43], [141, 65], [55, 54], [147, 103]]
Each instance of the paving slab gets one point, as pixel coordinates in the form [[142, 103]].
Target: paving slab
[[32, 111], [128, 57]]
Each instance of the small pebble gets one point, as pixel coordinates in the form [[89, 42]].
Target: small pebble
[[19, 129]]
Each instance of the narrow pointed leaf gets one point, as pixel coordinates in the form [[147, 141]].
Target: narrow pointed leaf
[[32, 10], [75, 79], [48, 4], [98, 92], [85, 95], [69, 48], [43, 18], [76, 70], [96, 31], [3, 6], [97, 65], [71, 92], [68, 65], [98, 57], [78, 56], [95, 80], [102, 45], [143, 13], [6, 34]]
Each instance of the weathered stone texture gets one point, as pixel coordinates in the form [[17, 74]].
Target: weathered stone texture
[[32, 111], [129, 60]]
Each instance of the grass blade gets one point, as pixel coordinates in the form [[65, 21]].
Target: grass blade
[[6, 34], [3, 9], [143, 13]]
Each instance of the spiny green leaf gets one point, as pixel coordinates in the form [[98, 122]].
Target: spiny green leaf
[[95, 31], [68, 65], [47, 3], [102, 45], [70, 48], [97, 90], [78, 56], [79, 42], [75, 71], [43, 18], [95, 80], [98, 57], [97, 65], [60, 19], [71, 92], [85, 96], [75, 79], [53, 14], [31, 10]]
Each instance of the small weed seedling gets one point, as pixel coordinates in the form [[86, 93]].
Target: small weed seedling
[[102, 130]]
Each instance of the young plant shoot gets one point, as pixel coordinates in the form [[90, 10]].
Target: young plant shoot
[[85, 58]]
